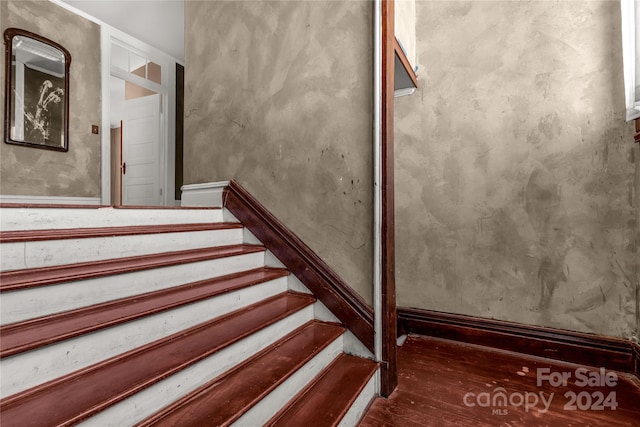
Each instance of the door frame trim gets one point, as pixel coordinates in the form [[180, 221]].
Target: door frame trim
[[168, 94]]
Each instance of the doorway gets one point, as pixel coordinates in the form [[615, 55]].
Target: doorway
[[136, 128], [139, 151]]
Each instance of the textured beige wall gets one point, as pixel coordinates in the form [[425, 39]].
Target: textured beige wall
[[37, 172], [516, 172], [278, 96]]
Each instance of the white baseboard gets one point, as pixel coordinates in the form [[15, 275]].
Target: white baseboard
[[207, 194], [49, 200]]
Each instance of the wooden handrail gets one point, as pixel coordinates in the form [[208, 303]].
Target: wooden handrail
[[313, 272]]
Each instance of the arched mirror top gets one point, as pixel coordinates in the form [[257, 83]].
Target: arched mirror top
[[36, 91]]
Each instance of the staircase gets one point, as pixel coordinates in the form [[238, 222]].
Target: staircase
[[164, 317]]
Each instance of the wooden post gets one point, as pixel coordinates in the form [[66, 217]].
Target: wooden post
[[389, 369]]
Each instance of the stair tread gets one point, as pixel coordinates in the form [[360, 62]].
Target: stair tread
[[74, 397], [80, 233], [226, 398], [328, 398], [27, 278], [28, 335]]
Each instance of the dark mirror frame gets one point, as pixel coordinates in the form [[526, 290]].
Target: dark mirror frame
[[9, 34]]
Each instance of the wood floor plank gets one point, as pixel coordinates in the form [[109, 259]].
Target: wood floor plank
[[435, 375]]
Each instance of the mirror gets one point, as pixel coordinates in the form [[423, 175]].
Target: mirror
[[36, 91]]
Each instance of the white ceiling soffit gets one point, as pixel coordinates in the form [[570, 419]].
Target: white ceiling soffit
[[159, 23]]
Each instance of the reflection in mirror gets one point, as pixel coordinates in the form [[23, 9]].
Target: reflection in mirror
[[37, 88]]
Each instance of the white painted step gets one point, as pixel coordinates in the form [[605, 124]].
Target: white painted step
[[150, 400], [278, 398], [46, 218], [360, 406], [46, 363], [35, 302], [35, 254]]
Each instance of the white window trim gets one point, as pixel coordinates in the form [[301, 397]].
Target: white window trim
[[628, 12]]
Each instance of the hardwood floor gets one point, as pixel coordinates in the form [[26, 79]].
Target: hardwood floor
[[445, 383]]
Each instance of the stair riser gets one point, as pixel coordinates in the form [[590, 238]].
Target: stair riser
[[45, 218], [52, 362], [21, 255], [360, 406], [272, 403], [38, 366], [145, 403], [40, 301]]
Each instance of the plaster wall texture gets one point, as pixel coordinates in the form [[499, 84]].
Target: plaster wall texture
[[37, 172], [516, 174], [278, 96]]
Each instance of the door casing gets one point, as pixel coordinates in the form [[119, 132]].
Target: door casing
[[167, 90]]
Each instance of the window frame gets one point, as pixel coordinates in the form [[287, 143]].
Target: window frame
[[629, 9]]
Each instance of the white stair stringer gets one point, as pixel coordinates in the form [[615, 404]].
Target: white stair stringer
[[352, 345], [360, 406]]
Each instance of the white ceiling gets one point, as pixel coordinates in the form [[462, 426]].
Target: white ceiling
[[159, 23]]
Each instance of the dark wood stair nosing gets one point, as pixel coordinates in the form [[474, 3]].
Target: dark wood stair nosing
[[49, 388], [303, 394], [77, 206], [86, 312], [114, 266], [201, 392], [19, 236], [168, 208]]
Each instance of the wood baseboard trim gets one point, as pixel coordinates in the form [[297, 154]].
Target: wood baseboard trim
[[315, 274], [636, 359], [57, 201], [614, 354]]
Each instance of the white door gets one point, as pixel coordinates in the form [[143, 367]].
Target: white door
[[141, 152]]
